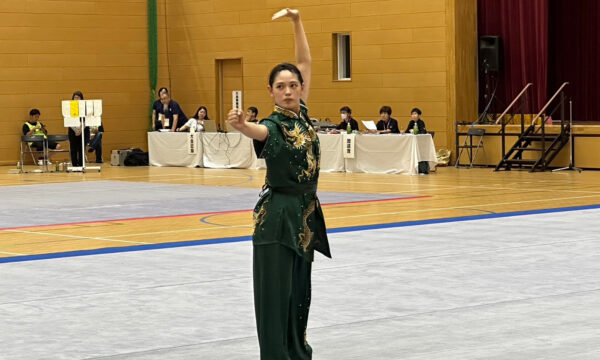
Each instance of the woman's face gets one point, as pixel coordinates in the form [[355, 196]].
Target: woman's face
[[414, 116], [287, 90], [384, 116], [201, 114], [77, 97]]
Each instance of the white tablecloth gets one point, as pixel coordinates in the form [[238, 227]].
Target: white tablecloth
[[227, 150], [385, 154], [373, 153], [332, 152], [170, 149]]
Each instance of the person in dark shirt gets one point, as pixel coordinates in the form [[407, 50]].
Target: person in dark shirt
[[415, 118], [157, 123], [173, 114], [387, 124], [75, 134], [346, 115], [252, 114]]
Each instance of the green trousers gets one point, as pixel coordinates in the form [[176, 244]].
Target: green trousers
[[281, 302]]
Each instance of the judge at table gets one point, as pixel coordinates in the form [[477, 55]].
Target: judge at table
[[415, 118], [346, 115], [387, 124]]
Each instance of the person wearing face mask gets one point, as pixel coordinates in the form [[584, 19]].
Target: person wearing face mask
[[346, 115], [289, 225]]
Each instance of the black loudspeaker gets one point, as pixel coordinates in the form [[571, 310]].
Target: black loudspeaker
[[490, 54]]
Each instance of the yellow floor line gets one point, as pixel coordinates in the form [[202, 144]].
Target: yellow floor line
[[10, 253], [79, 237]]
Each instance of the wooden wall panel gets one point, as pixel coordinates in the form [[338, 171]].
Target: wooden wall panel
[[50, 48], [403, 55]]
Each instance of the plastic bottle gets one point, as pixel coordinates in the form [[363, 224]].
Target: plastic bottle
[[416, 129], [19, 165], [349, 128]]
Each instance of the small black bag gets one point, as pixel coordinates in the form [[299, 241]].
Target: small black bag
[[423, 167], [136, 157]]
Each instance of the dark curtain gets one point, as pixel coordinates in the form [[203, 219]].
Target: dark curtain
[[574, 54], [523, 27]]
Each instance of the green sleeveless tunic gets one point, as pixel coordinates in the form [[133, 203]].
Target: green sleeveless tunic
[[289, 212]]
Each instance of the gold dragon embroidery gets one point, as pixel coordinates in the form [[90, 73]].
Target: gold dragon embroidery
[[305, 238], [259, 216]]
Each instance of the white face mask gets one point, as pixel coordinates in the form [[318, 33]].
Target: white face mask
[[344, 116]]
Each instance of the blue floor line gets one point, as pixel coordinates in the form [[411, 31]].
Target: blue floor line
[[248, 238]]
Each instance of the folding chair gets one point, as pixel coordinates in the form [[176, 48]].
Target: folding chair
[[26, 149], [58, 139], [468, 145]]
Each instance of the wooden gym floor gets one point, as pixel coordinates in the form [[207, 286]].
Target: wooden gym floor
[[447, 193]]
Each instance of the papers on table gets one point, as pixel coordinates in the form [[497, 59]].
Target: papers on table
[[369, 124]]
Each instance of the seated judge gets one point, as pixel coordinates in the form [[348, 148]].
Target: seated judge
[[173, 114], [346, 115], [415, 118], [157, 121], [252, 114], [35, 127], [95, 143], [197, 122], [387, 124]]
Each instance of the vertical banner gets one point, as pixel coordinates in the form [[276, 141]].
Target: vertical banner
[[192, 144], [349, 146], [152, 51]]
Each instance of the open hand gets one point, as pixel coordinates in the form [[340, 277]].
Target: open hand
[[235, 118], [293, 14]]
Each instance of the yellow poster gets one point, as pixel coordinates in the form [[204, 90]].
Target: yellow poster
[[75, 109]]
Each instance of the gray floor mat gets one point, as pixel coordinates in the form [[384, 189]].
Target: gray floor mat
[[73, 202], [515, 288]]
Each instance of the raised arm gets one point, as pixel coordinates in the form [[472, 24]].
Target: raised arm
[[303, 59]]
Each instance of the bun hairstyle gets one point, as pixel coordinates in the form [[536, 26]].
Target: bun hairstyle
[[282, 67]]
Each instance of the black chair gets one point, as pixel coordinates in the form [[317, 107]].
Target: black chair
[[58, 139], [26, 141], [468, 145]]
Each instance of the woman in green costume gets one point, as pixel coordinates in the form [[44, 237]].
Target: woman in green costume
[[288, 221]]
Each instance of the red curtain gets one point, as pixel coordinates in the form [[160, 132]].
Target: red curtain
[[574, 54], [523, 27]]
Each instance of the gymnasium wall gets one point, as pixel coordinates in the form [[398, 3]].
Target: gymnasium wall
[[405, 54], [50, 48]]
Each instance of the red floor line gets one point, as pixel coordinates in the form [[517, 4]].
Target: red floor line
[[37, 227]]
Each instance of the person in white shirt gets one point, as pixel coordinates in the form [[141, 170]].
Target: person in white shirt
[[197, 122]]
